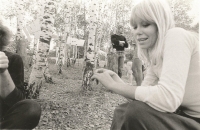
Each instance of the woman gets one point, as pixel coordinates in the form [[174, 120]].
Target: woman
[[172, 80], [15, 111]]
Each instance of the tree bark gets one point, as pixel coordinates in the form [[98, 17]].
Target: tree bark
[[20, 40], [88, 70], [40, 70], [68, 30]]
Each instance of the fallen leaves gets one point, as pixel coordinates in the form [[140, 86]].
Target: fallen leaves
[[65, 106]]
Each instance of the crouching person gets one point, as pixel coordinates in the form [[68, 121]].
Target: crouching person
[[169, 96], [15, 111]]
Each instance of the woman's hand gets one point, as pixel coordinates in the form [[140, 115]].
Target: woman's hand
[[111, 73], [113, 82], [3, 62], [107, 77]]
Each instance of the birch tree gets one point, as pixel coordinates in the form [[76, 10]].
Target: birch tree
[[88, 71], [20, 40], [61, 43], [40, 67], [68, 30], [98, 34], [60, 55]]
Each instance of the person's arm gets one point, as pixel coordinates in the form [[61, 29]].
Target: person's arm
[[168, 94], [7, 84], [16, 72], [124, 90], [114, 41], [150, 79], [126, 43], [113, 82], [128, 91]]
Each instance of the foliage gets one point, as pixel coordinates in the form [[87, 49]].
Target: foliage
[[181, 16], [109, 21]]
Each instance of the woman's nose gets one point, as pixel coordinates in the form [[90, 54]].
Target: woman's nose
[[138, 31]]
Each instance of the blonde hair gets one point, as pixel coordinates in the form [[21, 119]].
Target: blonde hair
[[158, 12]]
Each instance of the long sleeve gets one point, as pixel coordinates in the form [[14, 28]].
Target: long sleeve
[[168, 94], [150, 78], [16, 70], [126, 43], [115, 41]]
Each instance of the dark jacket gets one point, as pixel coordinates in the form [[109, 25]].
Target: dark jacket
[[115, 42], [16, 70]]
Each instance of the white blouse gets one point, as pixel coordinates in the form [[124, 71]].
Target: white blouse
[[177, 82]]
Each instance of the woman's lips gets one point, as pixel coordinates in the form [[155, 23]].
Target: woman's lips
[[142, 39]]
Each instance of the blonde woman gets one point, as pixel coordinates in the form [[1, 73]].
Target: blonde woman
[[172, 81]]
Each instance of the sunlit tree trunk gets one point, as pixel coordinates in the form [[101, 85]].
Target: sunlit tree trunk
[[74, 35], [98, 35], [68, 30], [73, 51], [68, 55], [20, 39], [60, 56], [88, 71], [95, 48], [60, 52], [85, 34], [40, 67]]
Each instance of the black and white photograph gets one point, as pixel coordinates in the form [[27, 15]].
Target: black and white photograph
[[99, 65]]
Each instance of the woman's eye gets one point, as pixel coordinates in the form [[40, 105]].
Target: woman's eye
[[146, 25], [134, 27]]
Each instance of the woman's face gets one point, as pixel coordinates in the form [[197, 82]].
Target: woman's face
[[145, 33]]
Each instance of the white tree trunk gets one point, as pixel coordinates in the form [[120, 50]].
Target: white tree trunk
[[60, 57], [40, 70], [68, 30], [99, 33], [88, 71], [20, 40]]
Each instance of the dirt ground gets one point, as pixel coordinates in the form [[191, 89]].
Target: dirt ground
[[66, 107]]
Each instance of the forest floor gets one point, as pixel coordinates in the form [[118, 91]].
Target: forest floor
[[66, 107]]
